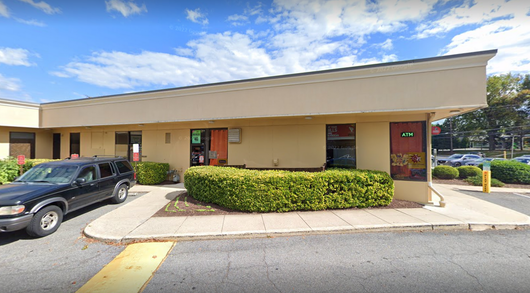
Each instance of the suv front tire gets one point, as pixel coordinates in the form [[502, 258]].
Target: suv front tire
[[45, 222]]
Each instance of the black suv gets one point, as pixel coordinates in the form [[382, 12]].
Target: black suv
[[39, 198]]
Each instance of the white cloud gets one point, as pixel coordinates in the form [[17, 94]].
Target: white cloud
[[3, 9], [196, 16], [303, 36], [473, 13], [43, 6], [508, 31], [31, 22], [125, 8], [9, 84], [386, 45], [12, 56], [237, 20]]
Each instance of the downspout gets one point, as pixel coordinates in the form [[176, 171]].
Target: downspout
[[442, 198]]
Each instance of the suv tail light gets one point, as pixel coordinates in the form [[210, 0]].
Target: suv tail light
[[134, 176]]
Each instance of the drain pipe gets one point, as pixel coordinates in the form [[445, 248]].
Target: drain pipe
[[442, 199]]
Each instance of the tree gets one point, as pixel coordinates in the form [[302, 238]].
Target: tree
[[507, 109]]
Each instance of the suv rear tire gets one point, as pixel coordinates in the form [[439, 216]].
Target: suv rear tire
[[45, 222], [121, 194]]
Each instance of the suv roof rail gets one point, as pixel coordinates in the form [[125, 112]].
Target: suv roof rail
[[107, 156]]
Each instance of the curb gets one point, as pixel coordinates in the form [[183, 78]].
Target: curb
[[474, 227]]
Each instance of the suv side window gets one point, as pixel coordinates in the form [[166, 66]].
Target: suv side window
[[106, 170], [124, 166], [89, 173]]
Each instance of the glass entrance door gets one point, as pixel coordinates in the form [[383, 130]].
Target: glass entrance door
[[209, 147]]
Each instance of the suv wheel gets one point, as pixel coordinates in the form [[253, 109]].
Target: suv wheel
[[121, 194], [458, 164], [45, 222]]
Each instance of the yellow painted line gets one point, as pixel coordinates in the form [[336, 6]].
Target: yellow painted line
[[131, 270]]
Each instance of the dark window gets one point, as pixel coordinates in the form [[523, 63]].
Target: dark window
[[56, 146], [75, 143], [122, 137], [340, 146], [408, 151], [22, 143], [88, 173], [124, 166], [105, 170]]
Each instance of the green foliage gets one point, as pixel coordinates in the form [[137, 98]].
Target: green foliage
[[9, 170], [30, 163], [477, 181], [149, 173], [283, 191], [445, 172], [510, 171], [468, 171]]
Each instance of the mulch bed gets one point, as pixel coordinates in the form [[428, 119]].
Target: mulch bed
[[462, 182], [184, 205]]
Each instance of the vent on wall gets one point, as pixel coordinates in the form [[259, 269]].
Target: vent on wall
[[234, 135]]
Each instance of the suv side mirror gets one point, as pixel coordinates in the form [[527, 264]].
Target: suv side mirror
[[80, 181]]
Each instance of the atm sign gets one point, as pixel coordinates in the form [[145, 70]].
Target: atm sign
[[407, 134]]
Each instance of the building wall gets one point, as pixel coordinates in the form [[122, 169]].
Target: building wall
[[346, 92], [19, 114], [293, 142], [43, 141]]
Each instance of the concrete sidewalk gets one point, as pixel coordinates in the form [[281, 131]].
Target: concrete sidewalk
[[134, 221]]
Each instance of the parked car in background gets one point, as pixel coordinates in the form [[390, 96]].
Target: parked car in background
[[477, 162], [457, 160], [524, 160], [38, 200]]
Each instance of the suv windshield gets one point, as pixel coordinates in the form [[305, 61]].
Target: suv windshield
[[50, 174]]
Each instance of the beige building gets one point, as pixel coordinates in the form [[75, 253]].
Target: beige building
[[370, 117]]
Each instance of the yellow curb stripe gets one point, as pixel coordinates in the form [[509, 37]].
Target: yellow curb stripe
[[131, 270]]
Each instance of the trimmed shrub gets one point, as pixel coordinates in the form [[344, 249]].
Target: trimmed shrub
[[283, 191], [510, 171], [149, 173], [477, 181], [468, 171], [445, 172], [30, 163], [9, 170]]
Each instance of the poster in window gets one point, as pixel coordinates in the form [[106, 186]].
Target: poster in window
[[196, 136], [408, 151]]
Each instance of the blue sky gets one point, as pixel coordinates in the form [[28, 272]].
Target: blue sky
[[56, 50]]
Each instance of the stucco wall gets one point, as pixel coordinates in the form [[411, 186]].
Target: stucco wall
[[19, 114], [43, 141], [415, 87]]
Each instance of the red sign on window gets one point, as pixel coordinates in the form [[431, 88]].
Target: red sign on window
[[136, 157], [74, 156], [21, 159], [201, 159]]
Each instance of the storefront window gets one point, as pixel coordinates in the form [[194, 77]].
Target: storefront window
[[408, 151], [209, 147], [22, 143], [340, 146]]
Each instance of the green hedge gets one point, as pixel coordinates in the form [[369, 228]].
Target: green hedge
[[149, 173], [510, 171], [477, 181], [445, 172], [283, 191], [9, 168], [468, 171]]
